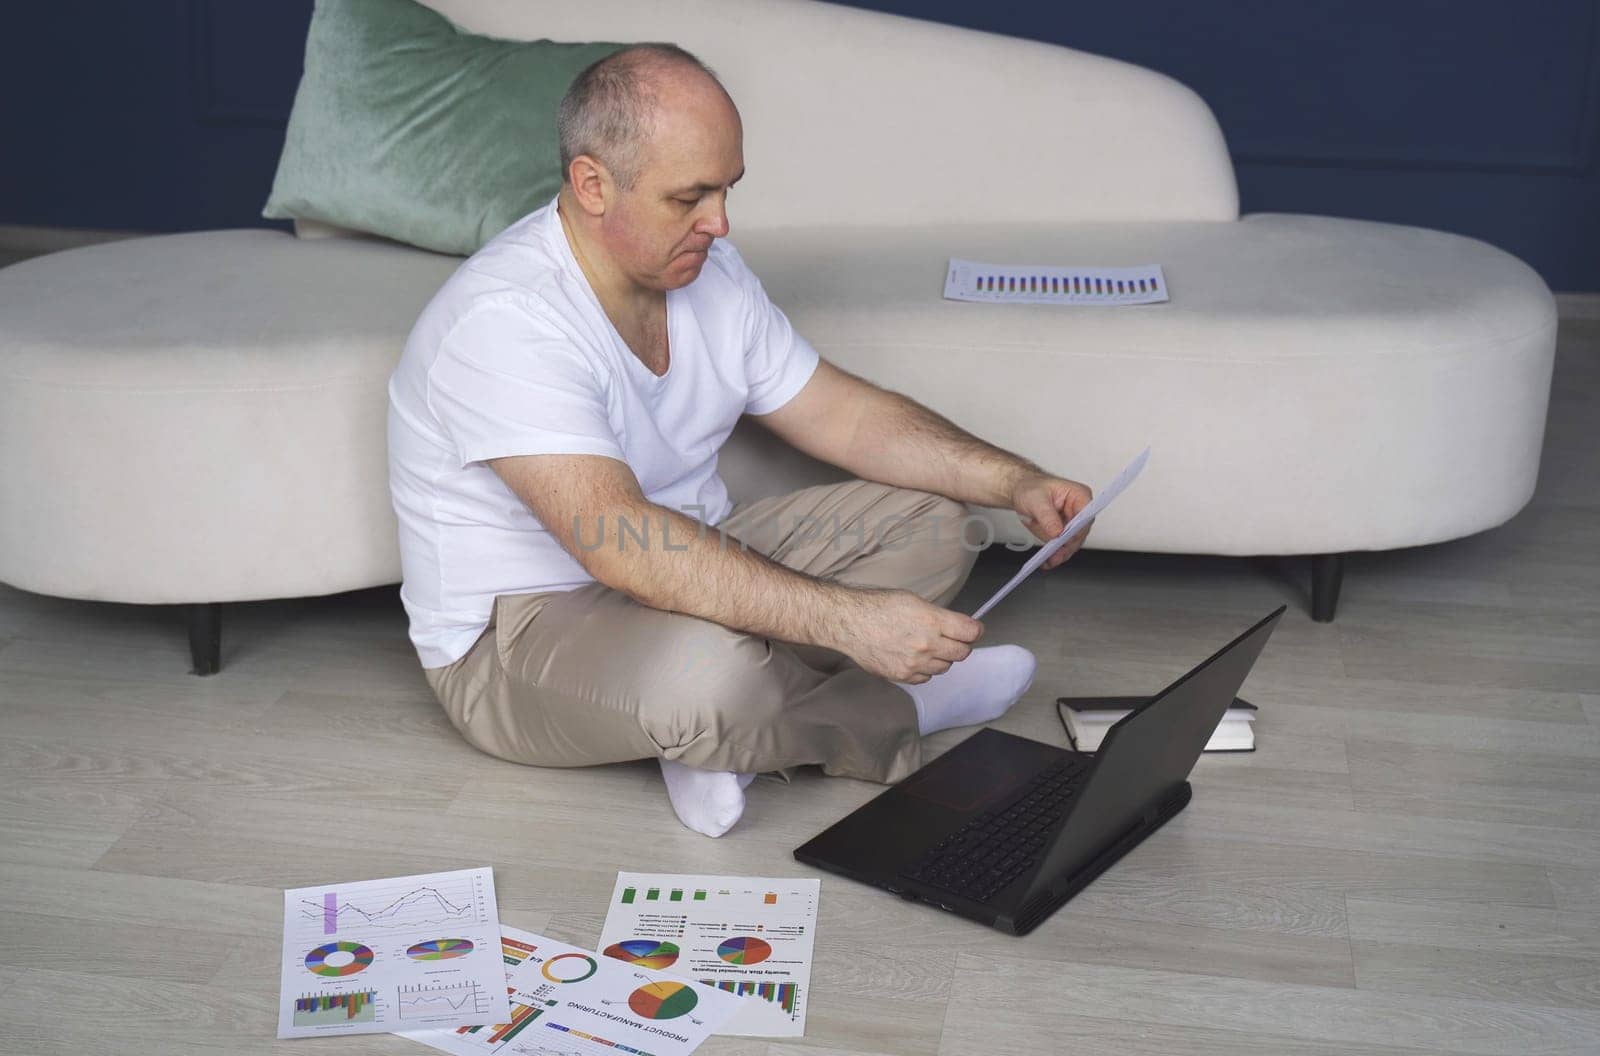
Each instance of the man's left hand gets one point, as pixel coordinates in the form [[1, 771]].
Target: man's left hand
[[1046, 504]]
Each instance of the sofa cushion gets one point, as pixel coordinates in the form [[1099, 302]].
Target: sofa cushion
[[406, 127], [1351, 385], [200, 417]]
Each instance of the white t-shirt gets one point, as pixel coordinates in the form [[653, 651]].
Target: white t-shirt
[[515, 356]]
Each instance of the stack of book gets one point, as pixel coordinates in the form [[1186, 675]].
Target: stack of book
[[1088, 718]]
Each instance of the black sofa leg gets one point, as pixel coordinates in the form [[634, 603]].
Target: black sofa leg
[[205, 637], [1327, 573]]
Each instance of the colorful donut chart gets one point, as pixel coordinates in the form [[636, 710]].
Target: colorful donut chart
[[360, 960], [573, 968]]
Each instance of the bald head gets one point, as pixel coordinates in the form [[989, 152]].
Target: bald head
[[614, 109]]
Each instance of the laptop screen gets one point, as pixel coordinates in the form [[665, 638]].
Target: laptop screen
[[1146, 757]]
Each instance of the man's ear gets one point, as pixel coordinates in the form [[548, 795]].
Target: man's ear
[[591, 184]]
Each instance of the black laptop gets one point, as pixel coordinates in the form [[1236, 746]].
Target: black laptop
[[1003, 829]]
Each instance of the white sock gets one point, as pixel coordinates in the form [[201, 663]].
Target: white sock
[[707, 801], [977, 689]]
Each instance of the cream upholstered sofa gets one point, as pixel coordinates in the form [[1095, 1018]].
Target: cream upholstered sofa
[[199, 418]]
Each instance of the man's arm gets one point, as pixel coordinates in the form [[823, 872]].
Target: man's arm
[[880, 435], [594, 507]]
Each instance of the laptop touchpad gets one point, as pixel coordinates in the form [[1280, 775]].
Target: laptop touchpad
[[970, 786]]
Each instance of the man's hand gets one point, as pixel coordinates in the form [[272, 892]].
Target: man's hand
[[896, 635], [1046, 504]]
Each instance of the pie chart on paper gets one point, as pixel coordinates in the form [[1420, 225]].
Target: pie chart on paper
[[338, 959], [744, 949], [663, 1000], [645, 953], [440, 950]]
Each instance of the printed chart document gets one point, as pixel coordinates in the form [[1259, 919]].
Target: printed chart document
[[1074, 526], [973, 280], [385, 955], [571, 1002], [748, 936]]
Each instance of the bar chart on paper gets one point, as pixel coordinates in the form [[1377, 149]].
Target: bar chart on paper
[[322, 1010], [747, 936], [972, 280], [786, 995]]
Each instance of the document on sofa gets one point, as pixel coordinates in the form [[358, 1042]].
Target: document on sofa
[[973, 280], [1129, 473]]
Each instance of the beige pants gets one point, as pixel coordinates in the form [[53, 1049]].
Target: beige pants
[[588, 676]]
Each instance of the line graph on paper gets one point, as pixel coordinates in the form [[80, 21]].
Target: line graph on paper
[[433, 1000], [457, 902]]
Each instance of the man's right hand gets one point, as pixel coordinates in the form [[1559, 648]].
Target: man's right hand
[[897, 635]]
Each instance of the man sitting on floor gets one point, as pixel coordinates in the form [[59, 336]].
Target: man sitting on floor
[[580, 588]]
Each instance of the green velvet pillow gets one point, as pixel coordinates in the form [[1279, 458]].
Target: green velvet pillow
[[407, 127]]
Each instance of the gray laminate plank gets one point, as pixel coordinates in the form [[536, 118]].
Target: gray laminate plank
[[1554, 580], [1329, 1016], [1032, 1031], [1174, 640], [1451, 733], [60, 823], [840, 1017], [113, 901], [105, 707], [1275, 875], [1476, 785], [54, 1013], [92, 947], [1081, 936], [1464, 926], [1427, 767], [1522, 647], [801, 1048], [1487, 803], [1577, 891], [1396, 833], [75, 772], [1483, 975], [1357, 702], [719, 1045], [1304, 787], [225, 835]]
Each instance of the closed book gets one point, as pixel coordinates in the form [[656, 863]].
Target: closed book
[[1087, 719]]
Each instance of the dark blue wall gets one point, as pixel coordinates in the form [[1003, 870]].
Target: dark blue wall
[[1467, 115]]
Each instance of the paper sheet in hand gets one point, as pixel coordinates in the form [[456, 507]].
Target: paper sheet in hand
[[1074, 526]]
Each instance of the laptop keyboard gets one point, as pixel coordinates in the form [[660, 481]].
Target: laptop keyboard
[[991, 850]]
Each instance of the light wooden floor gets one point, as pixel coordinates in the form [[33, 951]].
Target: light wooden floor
[[1409, 864]]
